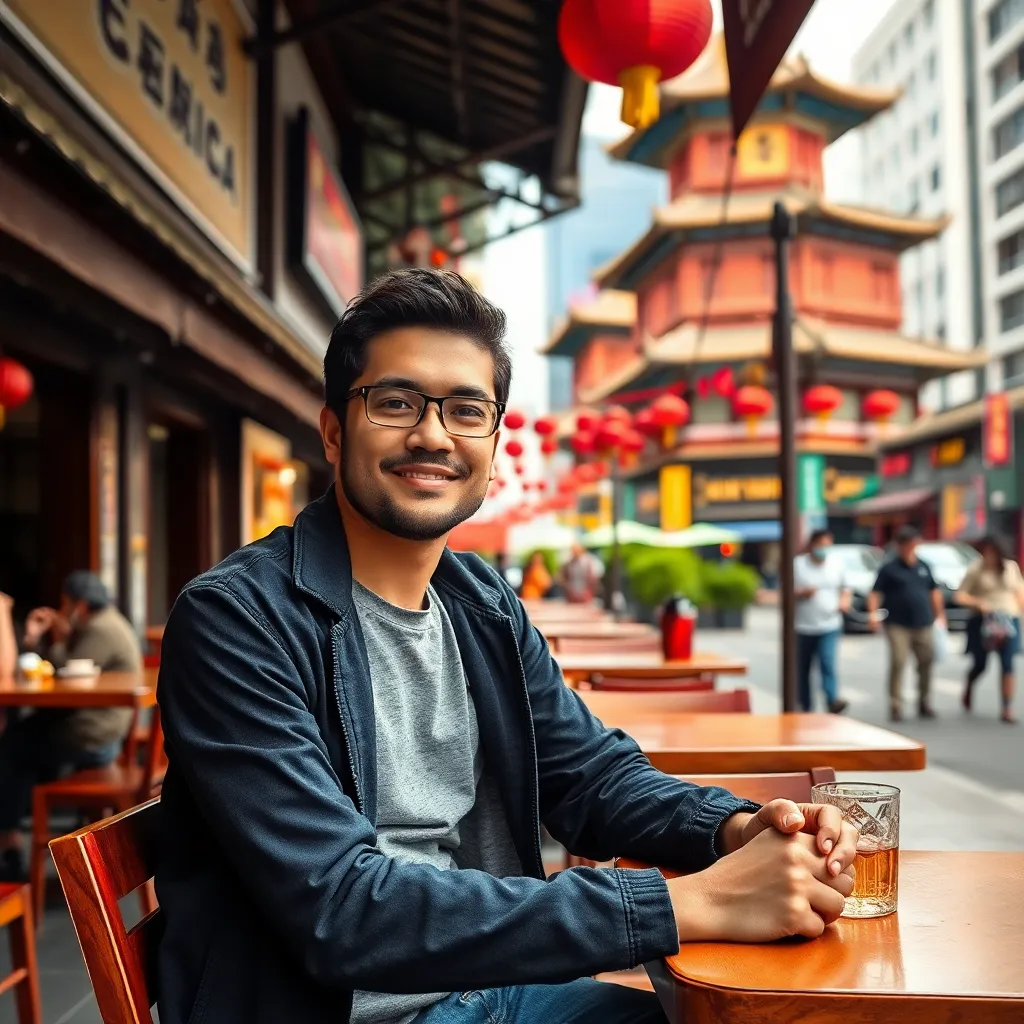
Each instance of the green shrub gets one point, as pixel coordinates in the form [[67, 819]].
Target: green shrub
[[656, 574], [729, 585]]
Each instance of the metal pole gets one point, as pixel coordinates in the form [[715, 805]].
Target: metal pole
[[783, 228], [613, 588]]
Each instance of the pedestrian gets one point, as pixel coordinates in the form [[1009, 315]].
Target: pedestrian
[[8, 644], [913, 603], [366, 735], [994, 587], [821, 599], [536, 578], [580, 576]]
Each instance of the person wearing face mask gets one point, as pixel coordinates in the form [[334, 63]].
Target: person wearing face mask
[[41, 746], [821, 599]]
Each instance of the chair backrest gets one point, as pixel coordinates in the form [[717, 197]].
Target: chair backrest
[[155, 765], [639, 684], [639, 644], [795, 786], [680, 702], [98, 865]]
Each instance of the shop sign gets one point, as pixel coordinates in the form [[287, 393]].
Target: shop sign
[[170, 81], [895, 464], [948, 453], [962, 512], [325, 239], [818, 486], [729, 490], [810, 492], [647, 504], [674, 485], [997, 431]]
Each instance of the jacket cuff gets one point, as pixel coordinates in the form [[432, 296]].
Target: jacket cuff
[[712, 814], [650, 920]]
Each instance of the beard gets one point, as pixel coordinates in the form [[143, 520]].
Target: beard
[[377, 506]]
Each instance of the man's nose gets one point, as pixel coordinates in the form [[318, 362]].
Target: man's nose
[[430, 434]]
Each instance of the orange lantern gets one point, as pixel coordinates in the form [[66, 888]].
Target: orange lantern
[[635, 44], [880, 405], [514, 419], [822, 400], [15, 386], [670, 412], [752, 402]]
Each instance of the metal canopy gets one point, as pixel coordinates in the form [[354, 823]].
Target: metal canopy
[[439, 89]]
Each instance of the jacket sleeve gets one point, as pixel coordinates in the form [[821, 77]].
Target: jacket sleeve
[[600, 796], [242, 737]]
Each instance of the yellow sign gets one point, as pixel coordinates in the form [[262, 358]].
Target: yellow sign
[[948, 452], [763, 151], [728, 490], [676, 501], [170, 81]]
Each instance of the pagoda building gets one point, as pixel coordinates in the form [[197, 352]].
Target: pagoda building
[[703, 275]]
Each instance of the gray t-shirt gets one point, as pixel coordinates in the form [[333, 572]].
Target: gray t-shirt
[[434, 804]]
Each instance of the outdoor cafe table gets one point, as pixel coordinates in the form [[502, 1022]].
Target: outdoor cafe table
[[106, 690], [952, 954], [648, 666], [683, 743], [600, 630]]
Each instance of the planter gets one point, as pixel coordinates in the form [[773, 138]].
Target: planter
[[721, 618]]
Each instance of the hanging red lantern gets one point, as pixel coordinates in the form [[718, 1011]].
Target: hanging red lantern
[[588, 473], [645, 423], [583, 443], [881, 405], [514, 419], [527, 486], [822, 400], [609, 436], [545, 426], [548, 447], [541, 485], [520, 469], [752, 402], [670, 412], [567, 485], [632, 445], [703, 387], [514, 448], [618, 414], [587, 422], [15, 385], [723, 382], [635, 44]]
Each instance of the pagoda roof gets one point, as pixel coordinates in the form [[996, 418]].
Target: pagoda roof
[[705, 217], [701, 93], [687, 345], [611, 311]]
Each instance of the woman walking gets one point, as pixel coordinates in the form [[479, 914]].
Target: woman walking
[[994, 587]]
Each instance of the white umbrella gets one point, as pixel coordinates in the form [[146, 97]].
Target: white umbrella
[[629, 531], [700, 535], [539, 534]]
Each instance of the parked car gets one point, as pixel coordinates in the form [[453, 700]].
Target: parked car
[[860, 564], [948, 562]]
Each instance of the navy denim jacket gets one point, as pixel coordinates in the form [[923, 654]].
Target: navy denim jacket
[[276, 903]]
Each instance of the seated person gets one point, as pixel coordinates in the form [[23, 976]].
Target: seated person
[[39, 747], [8, 644], [366, 733]]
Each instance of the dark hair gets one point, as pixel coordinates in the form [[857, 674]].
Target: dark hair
[[907, 533], [990, 540], [86, 586], [438, 299], [816, 535]]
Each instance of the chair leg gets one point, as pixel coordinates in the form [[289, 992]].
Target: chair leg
[[23, 955], [40, 851]]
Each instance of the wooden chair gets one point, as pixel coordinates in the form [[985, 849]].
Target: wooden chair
[[113, 788], [638, 684], [16, 915], [609, 645], [659, 702], [97, 866]]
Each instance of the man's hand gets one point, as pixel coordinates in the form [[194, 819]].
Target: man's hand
[[39, 622], [776, 886]]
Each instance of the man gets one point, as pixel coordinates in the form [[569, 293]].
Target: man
[[579, 576], [913, 603], [365, 734], [41, 746], [821, 600]]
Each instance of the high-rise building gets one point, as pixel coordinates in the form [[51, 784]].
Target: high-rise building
[[917, 159]]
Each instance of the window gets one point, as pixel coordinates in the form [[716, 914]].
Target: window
[[908, 34], [933, 123], [936, 177], [1007, 73], [1010, 192], [1009, 133], [874, 71], [1011, 252], [1011, 311], [913, 141], [933, 66], [940, 332], [1003, 17], [892, 55], [1013, 368], [940, 283], [914, 196], [928, 13], [911, 85]]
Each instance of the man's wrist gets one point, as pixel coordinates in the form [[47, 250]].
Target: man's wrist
[[730, 833]]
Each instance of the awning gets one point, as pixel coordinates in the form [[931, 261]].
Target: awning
[[755, 529], [898, 501]]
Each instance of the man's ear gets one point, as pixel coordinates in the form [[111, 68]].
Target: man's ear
[[330, 434]]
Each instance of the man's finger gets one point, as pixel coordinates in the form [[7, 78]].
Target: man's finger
[[826, 822], [783, 815], [845, 850]]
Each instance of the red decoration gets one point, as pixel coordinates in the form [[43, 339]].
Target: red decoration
[[541, 485], [635, 44], [520, 469], [583, 443], [619, 414], [548, 446], [587, 422], [514, 419], [545, 426], [610, 436], [723, 382], [822, 400], [880, 405], [15, 385], [514, 448], [527, 486], [567, 485], [703, 387], [645, 422], [670, 412], [752, 402], [588, 473]]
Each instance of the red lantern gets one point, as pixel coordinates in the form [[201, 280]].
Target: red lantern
[[15, 385], [548, 447], [723, 382], [670, 412], [618, 414], [541, 485], [514, 448], [583, 443], [610, 436], [881, 405], [703, 387], [632, 445], [527, 486], [822, 400], [588, 473], [514, 419], [645, 423], [520, 469], [587, 422], [567, 485], [635, 44], [752, 402], [545, 426]]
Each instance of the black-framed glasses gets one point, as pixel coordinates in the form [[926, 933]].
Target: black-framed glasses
[[399, 407]]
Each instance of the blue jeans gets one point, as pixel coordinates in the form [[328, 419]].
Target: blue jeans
[[824, 647], [578, 1002]]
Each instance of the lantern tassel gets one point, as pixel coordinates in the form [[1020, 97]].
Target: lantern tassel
[[751, 424], [640, 104], [1, 417], [668, 438]]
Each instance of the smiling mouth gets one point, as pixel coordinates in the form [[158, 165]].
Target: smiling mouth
[[420, 474]]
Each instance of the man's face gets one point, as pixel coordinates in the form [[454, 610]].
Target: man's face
[[384, 471], [73, 611], [908, 549]]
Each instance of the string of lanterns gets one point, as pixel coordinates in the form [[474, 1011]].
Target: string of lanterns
[[16, 386]]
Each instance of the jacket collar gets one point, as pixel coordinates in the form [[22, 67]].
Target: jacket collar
[[321, 566]]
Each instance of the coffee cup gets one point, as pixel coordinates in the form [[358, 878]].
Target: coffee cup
[[80, 666]]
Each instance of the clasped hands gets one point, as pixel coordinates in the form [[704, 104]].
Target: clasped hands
[[785, 870]]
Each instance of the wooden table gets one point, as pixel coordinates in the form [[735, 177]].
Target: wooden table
[[952, 954], [648, 666], [107, 690], [716, 744], [588, 630]]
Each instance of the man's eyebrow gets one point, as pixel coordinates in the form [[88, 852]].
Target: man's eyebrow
[[459, 391]]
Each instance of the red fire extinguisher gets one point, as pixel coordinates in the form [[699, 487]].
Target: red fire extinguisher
[[678, 619]]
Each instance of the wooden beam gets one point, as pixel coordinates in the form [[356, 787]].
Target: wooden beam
[[342, 13]]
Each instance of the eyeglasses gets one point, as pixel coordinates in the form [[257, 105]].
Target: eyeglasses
[[399, 407]]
